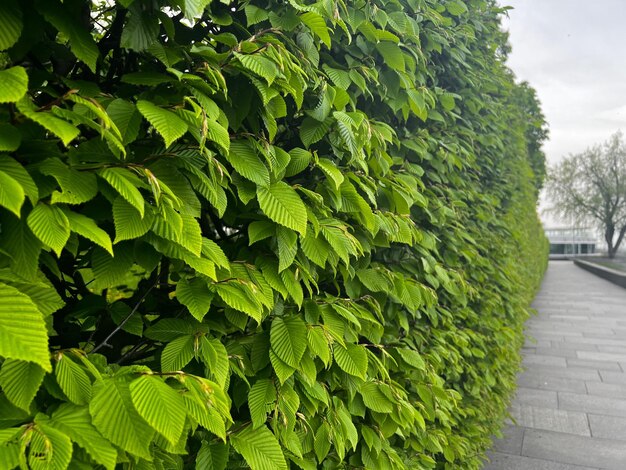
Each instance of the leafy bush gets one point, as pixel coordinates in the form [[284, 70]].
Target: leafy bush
[[265, 234]]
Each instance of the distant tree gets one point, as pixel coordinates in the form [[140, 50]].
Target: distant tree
[[590, 187], [535, 129]]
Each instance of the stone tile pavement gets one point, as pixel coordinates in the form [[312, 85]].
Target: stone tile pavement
[[570, 408]]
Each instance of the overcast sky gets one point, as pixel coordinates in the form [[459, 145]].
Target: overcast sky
[[573, 52]]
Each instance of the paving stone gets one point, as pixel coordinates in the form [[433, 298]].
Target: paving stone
[[511, 440], [547, 336], [536, 397], [531, 379], [603, 389], [569, 317], [559, 352], [576, 331], [612, 349], [597, 341], [550, 419], [608, 427], [574, 346], [503, 461], [576, 450], [578, 373], [575, 351], [601, 356], [613, 377], [600, 365], [592, 404], [539, 344], [543, 360]]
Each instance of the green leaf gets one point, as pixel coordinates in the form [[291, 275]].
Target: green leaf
[[75, 421], [413, 358], [166, 123], [127, 119], [283, 370], [13, 84], [331, 171], [116, 418], [22, 329], [261, 400], [110, 271], [160, 406], [322, 441], [317, 25], [10, 138], [300, 159], [195, 8], [213, 456], [73, 380], [11, 194], [141, 29], [10, 24], [218, 134], [177, 354], [260, 230], [315, 248], [77, 187], [86, 227], [352, 359], [129, 223], [16, 171], [287, 242], [122, 181], [21, 245], [50, 225], [62, 129], [288, 339], [312, 130], [238, 297], [49, 448], [456, 8], [318, 344], [44, 296], [82, 43], [282, 204], [375, 399], [244, 158], [340, 78], [293, 286], [20, 381], [392, 55], [259, 448], [198, 408], [169, 329], [215, 357], [259, 65], [10, 450], [212, 251], [195, 295], [447, 101]]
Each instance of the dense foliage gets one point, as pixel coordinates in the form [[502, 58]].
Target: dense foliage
[[590, 188], [266, 234]]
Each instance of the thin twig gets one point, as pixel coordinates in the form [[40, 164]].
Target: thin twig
[[121, 325]]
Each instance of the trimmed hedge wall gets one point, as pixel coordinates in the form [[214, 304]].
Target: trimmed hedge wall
[[261, 234]]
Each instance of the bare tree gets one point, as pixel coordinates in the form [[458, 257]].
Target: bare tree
[[590, 187]]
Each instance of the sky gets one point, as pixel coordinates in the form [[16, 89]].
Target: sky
[[573, 52]]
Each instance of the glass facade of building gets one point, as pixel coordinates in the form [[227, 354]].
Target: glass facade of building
[[565, 242]]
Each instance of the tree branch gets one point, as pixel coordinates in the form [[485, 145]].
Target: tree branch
[[105, 342]]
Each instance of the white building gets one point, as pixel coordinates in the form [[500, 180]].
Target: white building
[[570, 242]]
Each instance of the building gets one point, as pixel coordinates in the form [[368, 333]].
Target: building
[[571, 242]]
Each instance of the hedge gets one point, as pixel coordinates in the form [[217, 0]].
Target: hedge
[[261, 234]]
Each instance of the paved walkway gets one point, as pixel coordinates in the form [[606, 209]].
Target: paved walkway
[[571, 401]]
